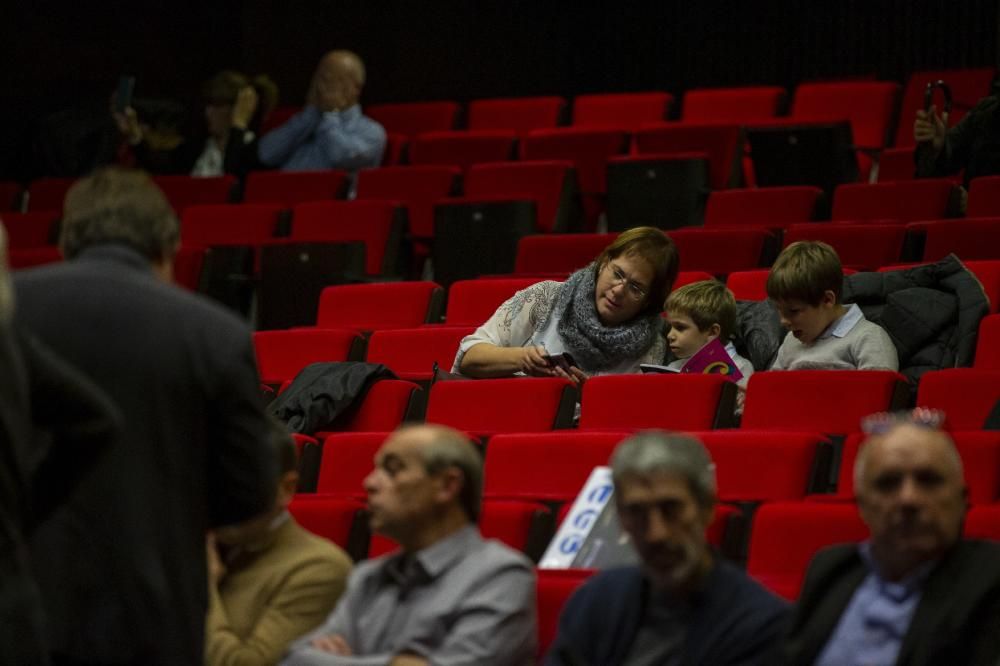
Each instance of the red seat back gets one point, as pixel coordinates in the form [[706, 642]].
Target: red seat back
[[864, 246], [413, 118], [719, 251], [965, 395], [10, 195], [748, 285], [761, 465], [385, 406], [416, 187], [491, 406], [348, 457], [560, 253], [764, 207], [589, 149], [667, 401], [27, 230], [983, 522], [988, 344], [520, 114], [229, 224], [984, 197], [621, 110], [472, 302], [184, 191], [291, 187], [462, 148], [732, 105], [801, 399], [968, 86], [48, 193], [379, 305], [977, 238], [378, 224], [544, 182], [555, 587], [329, 517], [281, 355], [909, 200], [412, 352], [722, 144]]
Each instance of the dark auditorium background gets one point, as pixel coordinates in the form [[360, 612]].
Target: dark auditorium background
[[58, 54]]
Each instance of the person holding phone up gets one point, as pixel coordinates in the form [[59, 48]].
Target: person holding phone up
[[972, 144], [606, 316]]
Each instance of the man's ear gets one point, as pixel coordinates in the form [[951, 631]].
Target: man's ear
[[450, 482]]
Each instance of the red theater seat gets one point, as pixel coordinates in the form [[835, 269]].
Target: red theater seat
[[380, 305], [984, 197], [719, 251], [472, 302], [491, 406], [412, 352], [559, 253], [281, 355], [864, 246], [520, 114], [988, 344], [977, 238], [386, 405], [413, 118], [923, 199], [184, 191], [10, 196], [722, 144], [462, 148], [229, 224], [732, 105], [983, 522], [965, 395], [550, 184], [48, 193], [28, 230], [748, 285], [332, 518], [288, 188], [762, 465], [786, 535], [545, 467], [588, 148], [416, 187], [621, 110], [555, 587], [896, 164], [348, 457], [765, 207], [801, 399], [667, 401], [378, 224], [513, 523]]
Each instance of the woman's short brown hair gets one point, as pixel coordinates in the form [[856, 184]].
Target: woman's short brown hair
[[655, 247]]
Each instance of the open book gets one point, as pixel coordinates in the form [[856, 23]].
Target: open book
[[712, 359]]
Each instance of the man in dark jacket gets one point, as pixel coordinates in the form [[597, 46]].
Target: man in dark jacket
[[121, 566], [916, 594], [684, 605]]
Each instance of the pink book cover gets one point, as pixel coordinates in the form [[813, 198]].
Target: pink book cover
[[713, 359]]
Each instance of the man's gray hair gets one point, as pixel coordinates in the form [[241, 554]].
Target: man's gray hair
[[117, 205], [654, 452], [450, 448]]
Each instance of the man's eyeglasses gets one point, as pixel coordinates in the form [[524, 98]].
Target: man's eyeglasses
[[883, 422], [634, 289]]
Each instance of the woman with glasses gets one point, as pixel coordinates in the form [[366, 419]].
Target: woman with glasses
[[606, 317]]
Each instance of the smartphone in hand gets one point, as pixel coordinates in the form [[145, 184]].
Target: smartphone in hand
[[123, 96], [564, 361]]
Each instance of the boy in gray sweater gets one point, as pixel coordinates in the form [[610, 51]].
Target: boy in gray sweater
[[823, 334]]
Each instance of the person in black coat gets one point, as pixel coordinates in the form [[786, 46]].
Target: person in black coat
[[54, 426], [121, 565], [916, 594]]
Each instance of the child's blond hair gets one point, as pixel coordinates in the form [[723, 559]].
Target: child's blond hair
[[707, 302]]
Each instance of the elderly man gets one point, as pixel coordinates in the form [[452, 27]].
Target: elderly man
[[270, 581], [448, 597], [916, 593], [330, 132], [121, 565], [684, 605]]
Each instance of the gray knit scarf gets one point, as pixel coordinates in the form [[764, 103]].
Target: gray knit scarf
[[594, 346]]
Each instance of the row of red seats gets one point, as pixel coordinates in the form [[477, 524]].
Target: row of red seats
[[792, 400]]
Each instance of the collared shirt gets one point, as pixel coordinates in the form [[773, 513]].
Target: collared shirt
[[871, 630], [312, 140], [462, 600], [844, 324]]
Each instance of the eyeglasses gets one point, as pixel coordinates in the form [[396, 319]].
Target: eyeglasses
[[883, 422], [632, 288]]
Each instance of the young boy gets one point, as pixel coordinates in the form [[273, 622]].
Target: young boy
[[699, 313], [823, 334]]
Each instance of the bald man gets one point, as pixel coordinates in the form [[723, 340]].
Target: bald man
[[447, 597], [330, 132], [916, 593]]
